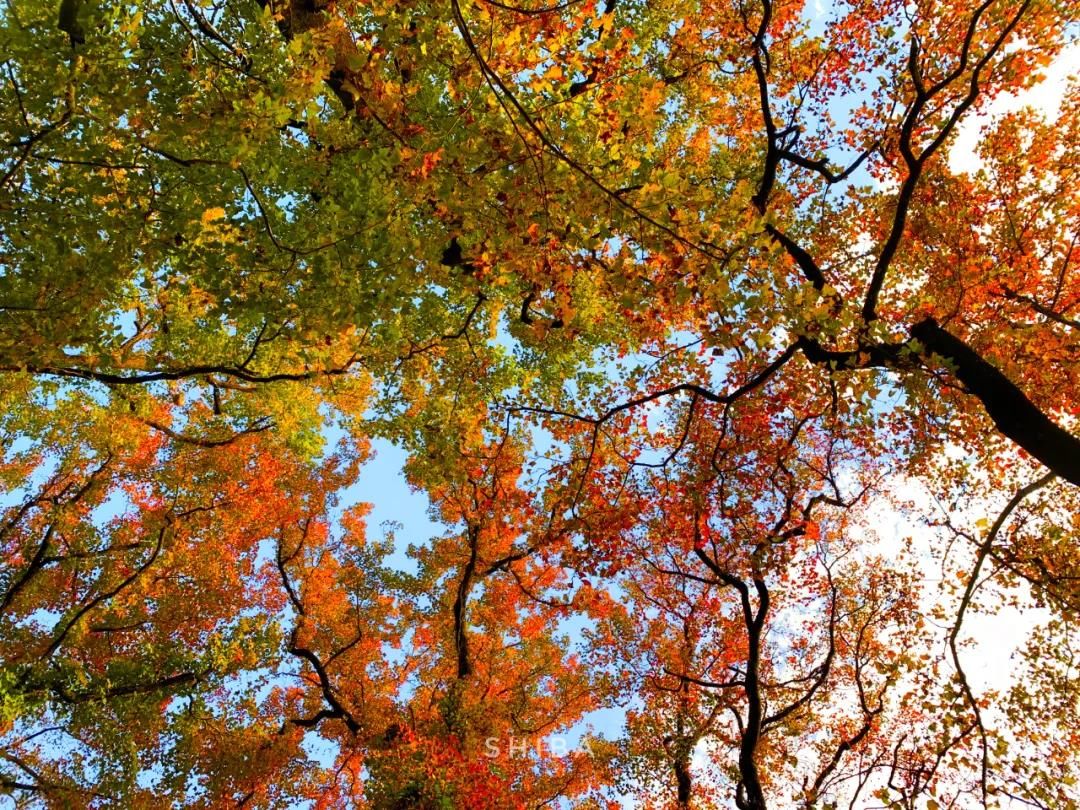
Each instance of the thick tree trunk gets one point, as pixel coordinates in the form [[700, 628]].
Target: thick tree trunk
[[1013, 413], [683, 781], [461, 604]]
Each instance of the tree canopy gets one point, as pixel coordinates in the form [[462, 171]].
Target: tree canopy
[[676, 310]]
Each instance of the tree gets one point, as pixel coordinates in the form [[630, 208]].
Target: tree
[[663, 301]]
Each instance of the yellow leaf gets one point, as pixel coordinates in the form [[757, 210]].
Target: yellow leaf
[[212, 215]]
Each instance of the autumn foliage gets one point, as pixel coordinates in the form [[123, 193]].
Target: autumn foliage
[[746, 418]]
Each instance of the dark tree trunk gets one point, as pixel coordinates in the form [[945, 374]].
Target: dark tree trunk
[[1013, 413]]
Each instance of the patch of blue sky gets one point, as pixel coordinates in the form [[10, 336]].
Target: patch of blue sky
[[320, 750], [816, 15], [400, 512]]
